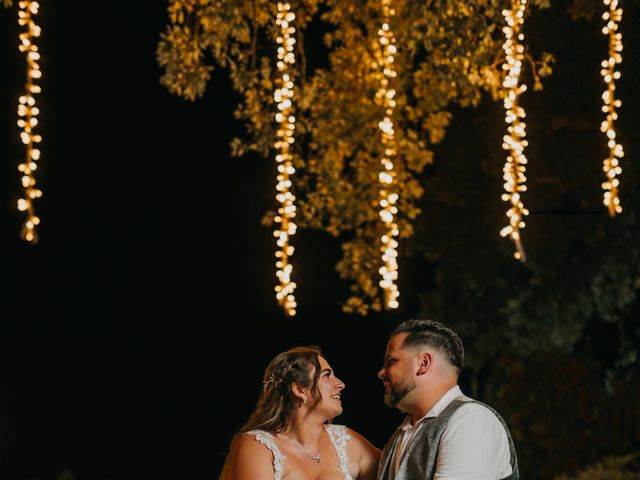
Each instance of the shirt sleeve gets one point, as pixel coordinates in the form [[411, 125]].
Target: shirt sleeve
[[474, 446]]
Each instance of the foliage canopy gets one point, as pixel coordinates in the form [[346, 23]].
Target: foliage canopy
[[449, 54], [581, 270]]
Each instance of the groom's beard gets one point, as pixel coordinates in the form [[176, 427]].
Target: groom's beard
[[398, 392]]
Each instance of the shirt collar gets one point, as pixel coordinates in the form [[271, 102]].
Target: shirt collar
[[440, 405]]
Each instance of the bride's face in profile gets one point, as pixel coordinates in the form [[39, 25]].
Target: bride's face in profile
[[330, 388]]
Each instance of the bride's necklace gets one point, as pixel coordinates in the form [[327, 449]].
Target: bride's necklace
[[315, 458]]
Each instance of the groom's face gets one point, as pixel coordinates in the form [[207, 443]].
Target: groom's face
[[397, 372]]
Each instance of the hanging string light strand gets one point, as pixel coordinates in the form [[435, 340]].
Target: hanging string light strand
[[388, 196], [28, 113], [514, 141], [611, 166], [285, 118]]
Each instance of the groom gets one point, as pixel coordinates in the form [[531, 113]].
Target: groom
[[445, 434]]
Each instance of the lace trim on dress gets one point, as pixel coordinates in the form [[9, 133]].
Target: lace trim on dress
[[337, 434], [266, 439], [339, 438]]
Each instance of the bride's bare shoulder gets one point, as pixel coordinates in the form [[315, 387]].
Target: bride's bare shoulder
[[250, 460], [365, 454]]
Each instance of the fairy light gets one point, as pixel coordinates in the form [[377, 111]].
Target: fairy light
[[286, 119], [514, 141], [388, 196], [611, 165], [28, 113]]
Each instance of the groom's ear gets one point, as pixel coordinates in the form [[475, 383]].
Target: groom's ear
[[425, 361]]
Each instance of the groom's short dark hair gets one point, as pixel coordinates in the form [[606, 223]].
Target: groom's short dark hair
[[433, 334]]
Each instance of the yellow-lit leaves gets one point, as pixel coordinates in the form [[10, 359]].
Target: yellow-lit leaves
[[448, 53], [185, 73]]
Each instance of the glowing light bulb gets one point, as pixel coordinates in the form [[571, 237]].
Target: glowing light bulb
[[27, 111], [514, 141], [611, 167], [388, 197], [283, 96]]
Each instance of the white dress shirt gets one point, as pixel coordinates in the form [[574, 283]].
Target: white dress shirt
[[473, 446]]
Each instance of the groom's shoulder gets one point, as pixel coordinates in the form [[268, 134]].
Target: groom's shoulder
[[473, 407]]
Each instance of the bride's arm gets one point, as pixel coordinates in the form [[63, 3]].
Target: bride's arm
[[366, 454], [249, 460]]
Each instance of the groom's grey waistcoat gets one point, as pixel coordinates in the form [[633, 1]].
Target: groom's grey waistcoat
[[419, 460]]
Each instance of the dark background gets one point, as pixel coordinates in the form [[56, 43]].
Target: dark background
[[134, 335]]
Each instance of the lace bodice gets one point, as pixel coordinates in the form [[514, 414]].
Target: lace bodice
[[337, 434]]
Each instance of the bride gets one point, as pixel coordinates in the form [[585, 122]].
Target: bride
[[289, 434]]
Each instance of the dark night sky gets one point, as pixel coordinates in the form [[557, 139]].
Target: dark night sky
[[134, 335]]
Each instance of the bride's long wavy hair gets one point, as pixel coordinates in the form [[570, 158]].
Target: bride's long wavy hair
[[276, 404]]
